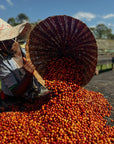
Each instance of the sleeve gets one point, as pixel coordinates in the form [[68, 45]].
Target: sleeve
[[7, 76]]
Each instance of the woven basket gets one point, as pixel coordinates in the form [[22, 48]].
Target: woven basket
[[63, 42]]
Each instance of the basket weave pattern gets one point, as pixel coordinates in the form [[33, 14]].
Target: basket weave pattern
[[62, 38]]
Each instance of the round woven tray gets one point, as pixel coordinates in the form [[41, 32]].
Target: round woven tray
[[63, 42]]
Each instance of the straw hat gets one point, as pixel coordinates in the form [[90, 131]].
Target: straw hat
[[61, 37], [8, 32]]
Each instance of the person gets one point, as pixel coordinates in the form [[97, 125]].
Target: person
[[16, 73]]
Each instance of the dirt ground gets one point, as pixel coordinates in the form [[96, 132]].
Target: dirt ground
[[104, 83]]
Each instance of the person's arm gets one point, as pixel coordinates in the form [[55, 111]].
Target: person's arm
[[22, 87]]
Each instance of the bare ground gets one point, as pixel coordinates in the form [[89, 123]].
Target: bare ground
[[104, 83]]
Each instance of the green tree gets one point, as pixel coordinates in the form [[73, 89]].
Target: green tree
[[102, 31], [11, 21], [22, 18], [112, 36]]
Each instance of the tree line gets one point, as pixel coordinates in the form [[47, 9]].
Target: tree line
[[101, 31], [21, 18]]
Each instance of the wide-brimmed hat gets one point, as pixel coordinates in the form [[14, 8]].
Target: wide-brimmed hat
[[8, 32], [63, 48]]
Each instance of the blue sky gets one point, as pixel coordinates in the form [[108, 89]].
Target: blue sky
[[91, 12]]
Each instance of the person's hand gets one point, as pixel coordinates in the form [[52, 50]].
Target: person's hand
[[28, 66]]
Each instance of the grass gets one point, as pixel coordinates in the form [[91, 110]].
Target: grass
[[104, 67]]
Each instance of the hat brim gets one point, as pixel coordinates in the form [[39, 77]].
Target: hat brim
[[22, 31]]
